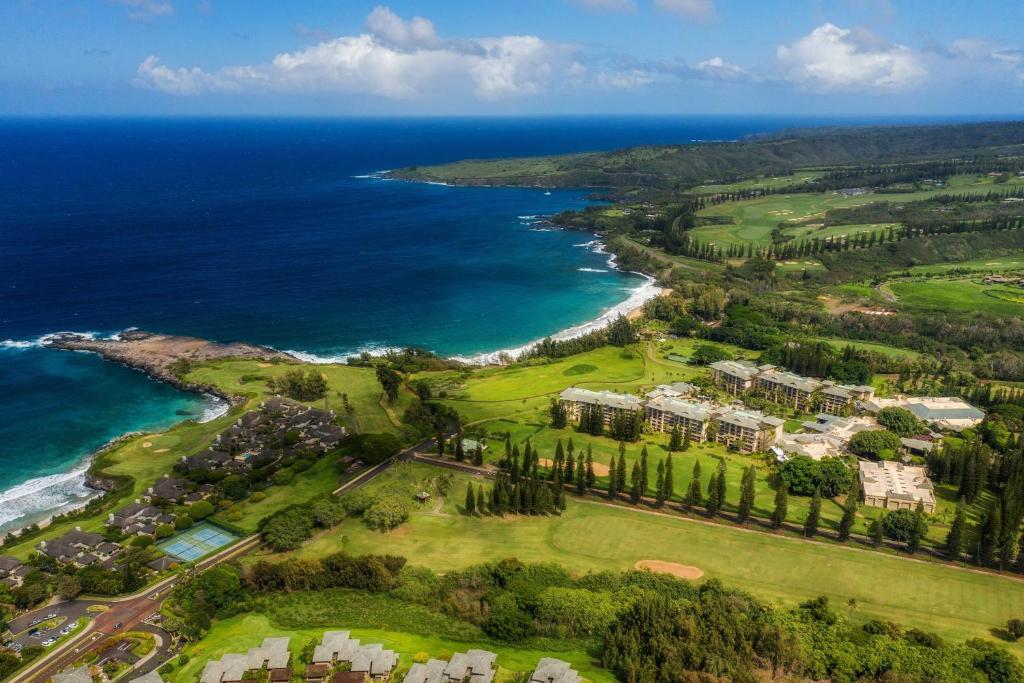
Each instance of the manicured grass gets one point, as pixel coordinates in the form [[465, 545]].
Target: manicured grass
[[370, 619], [358, 384], [883, 349], [954, 603], [984, 265], [319, 479], [960, 296], [763, 182]]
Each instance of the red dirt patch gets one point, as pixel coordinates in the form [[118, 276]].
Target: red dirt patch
[[600, 469]]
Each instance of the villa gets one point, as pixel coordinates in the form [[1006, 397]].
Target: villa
[[550, 670], [273, 655], [338, 647], [81, 548], [895, 486]]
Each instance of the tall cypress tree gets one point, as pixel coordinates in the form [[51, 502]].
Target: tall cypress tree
[[878, 530], [669, 484], [470, 499], [747, 494], [636, 484], [693, 493], [914, 542], [460, 453], [478, 455], [954, 545], [721, 483], [781, 504], [714, 503], [591, 477], [481, 501], [989, 536], [643, 469], [581, 481], [620, 470], [675, 440], [849, 514], [659, 485], [613, 481], [813, 515], [570, 467]]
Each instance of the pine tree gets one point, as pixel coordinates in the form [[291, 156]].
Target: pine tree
[[713, 503], [470, 499], [721, 483], [659, 485], [570, 467], [686, 440], [581, 481], [620, 470], [460, 454], [813, 515], [849, 515], [636, 481], [643, 470], [478, 456], [781, 505], [954, 545], [878, 531], [481, 501], [989, 536], [440, 444], [675, 440], [591, 477], [693, 494], [747, 494], [914, 542], [669, 479], [613, 481]]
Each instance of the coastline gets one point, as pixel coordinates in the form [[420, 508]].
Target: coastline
[[155, 354]]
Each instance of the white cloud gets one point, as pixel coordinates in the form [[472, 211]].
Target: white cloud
[[833, 58], [982, 59], [716, 67], [392, 29], [395, 58], [700, 10], [607, 5], [146, 10]]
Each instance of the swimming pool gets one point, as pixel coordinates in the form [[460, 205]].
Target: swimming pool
[[197, 542]]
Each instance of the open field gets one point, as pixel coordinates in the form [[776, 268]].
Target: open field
[[883, 349], [753, 220], [959, 296], [957, 604], [981, 265], [798, 178]]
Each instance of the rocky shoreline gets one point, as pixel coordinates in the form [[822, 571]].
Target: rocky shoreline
[[160, 355]]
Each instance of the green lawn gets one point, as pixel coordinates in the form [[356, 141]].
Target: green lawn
[[883, 349], [993, 264], [589, 536], [960, 296]]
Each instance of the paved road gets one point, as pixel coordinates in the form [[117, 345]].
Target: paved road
[[131, 612]]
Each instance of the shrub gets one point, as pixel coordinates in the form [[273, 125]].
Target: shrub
[[164, 530], [386, 512], [202, 509], [283, 476], [1015, 627], [183, 522], [142, 541], [371, 448]]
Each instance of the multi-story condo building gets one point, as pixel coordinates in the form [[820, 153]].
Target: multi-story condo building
[[609, 402], [748, 431], [787, 388], [664, 413]]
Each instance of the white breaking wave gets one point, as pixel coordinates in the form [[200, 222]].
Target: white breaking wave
[[41, 497], [592, 270], [214, 409], [372, 349], [638, 295], [38, 342]]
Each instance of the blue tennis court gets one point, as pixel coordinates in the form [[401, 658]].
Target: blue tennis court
[[197, 542]]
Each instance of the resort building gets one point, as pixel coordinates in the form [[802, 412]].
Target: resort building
[[138, 518], [748, 431], [550, 670], [895, 486], [81, 549], [273, 655], [475, 666], [787, 388], [610, 403], [735, 376], [674, 390], [338, 647], [824, 437], [665, 413], [941, 412]]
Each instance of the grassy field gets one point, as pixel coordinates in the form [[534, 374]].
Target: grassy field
[[763, 182], [883, 349], [753, 220], [959, 296], [783, 570], [983, 265]]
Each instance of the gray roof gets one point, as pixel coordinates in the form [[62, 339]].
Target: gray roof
[[431, 672], [79, 675], [478, 665], [929, 414], [789, 379], [690, 410], [550, 670], [610, 399], [749, 419], [8, 563], [151, 677], [736, 368]]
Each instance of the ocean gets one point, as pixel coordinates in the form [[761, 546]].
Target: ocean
[[274, 232]]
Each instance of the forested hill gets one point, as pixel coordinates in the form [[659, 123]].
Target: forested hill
[[675, 167]]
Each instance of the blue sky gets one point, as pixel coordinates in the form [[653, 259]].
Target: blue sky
[[346, 57]]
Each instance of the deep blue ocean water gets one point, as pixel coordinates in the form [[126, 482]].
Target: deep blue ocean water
[[266, 231]]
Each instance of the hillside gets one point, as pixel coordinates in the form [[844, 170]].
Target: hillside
[[680, 166]]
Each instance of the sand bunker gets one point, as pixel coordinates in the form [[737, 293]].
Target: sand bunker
[[161, 450], [263, 365], [147, 444], [683, 571], [599, 469]]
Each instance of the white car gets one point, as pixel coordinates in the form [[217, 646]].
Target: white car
[[49, 641]]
